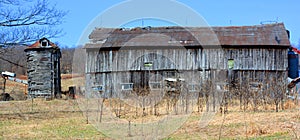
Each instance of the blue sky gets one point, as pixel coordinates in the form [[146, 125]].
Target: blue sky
[[214, 12]]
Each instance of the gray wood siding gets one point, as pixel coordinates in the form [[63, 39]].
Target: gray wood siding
[[140, 79], [187, 59], [112, 68]]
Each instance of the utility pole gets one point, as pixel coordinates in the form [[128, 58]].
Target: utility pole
[[4, 83]]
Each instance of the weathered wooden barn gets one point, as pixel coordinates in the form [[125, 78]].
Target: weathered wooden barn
[[121, 60], [43, 69]]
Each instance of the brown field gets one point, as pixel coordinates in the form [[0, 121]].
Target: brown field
[[16, 89], [63, 119]]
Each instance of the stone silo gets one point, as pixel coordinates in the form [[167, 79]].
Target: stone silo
[[43, 63]]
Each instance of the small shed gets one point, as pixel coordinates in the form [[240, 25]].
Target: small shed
[[43, 63], [121, 59]]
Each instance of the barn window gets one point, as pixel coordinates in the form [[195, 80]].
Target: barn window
[[192, 87], [98, 88], [155, 85], [170, 74], [148, 64], [255, 86], [230, 63], [127, 86]]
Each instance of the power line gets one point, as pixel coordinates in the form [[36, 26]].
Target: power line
[[12, 62]]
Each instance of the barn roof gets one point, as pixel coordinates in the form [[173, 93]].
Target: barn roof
[[258, 35], [38, 45]]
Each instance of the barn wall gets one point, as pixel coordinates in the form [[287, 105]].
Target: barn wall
[[111, 68], [259, 76], [112, 82], [187, 59], [258, 58]]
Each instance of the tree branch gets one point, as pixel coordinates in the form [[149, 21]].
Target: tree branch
[[19, 25]]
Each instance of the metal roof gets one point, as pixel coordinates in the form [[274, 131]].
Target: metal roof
[[38, 44], [258, 35]]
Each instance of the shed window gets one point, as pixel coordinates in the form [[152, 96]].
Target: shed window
[[155, 85], [127, 86]]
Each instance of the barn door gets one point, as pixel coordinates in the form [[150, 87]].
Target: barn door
[[140, 79]]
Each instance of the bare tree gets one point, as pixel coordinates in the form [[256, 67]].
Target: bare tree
[[24, 21], [67, 59], [14, 60], [278, 89]]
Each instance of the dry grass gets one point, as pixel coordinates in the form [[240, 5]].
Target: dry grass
[[18, 91], [62, 119], [244, 125], [40, 119]]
